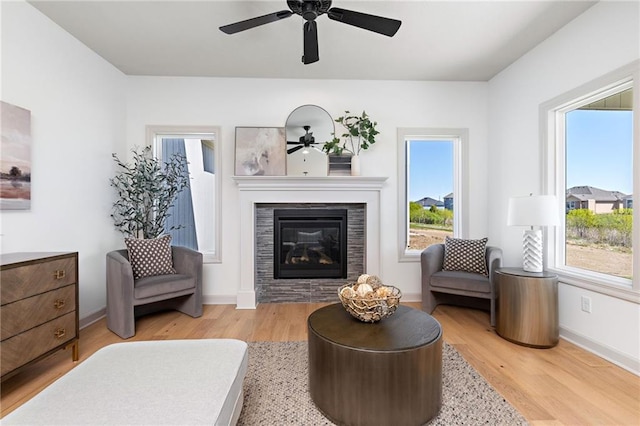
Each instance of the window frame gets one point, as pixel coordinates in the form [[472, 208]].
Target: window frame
[[199, 132], [553, 149], [460, 139]]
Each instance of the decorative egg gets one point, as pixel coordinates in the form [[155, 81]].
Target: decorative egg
[[363, 278], [347, 292], [363, 289], [374, 281]]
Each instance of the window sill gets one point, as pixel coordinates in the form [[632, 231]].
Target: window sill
[[210, 258], [409, 256], [598, 285]]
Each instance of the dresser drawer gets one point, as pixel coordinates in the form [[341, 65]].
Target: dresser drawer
[[28, 280], [29, 345], [27, 313]]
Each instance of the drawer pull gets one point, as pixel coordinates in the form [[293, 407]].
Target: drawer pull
[[59, 274], [59, 303], [59, 333]]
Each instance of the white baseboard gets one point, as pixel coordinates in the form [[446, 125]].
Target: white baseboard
[[610, 354], [92, 317], [219, 300], [411, 297]]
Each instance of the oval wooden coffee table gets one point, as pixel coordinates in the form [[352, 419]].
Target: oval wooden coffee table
[[386, 373]]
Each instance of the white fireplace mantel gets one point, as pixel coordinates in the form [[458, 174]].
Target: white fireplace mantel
[[288, 189], [322, 183]]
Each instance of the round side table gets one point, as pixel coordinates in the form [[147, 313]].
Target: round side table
[[386, 373], [527, 308]]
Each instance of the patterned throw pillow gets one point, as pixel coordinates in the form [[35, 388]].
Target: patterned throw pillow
[[465, 255], [150, 257]]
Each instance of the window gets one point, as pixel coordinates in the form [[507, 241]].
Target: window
[[430, 186], [194, 220], [589, 164]]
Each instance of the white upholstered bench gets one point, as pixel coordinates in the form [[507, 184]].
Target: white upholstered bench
[[167, 382]]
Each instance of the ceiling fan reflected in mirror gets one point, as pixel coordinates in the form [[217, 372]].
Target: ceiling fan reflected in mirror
[[310, 10], [305, 141]]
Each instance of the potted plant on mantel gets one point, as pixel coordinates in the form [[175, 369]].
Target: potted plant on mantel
[[146, 191], [360, 135]]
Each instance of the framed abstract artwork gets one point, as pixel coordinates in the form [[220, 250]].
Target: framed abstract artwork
[[260, 151], [15, 157]]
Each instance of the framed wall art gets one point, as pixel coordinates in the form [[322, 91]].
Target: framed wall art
[[15, 157], [260, 151]]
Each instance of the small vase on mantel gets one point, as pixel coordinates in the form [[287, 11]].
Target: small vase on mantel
[[355, 165]]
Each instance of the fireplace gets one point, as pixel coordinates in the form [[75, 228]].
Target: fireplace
[[310, 243], [259, 196]]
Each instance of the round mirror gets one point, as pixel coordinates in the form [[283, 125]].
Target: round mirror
[[308, 128]]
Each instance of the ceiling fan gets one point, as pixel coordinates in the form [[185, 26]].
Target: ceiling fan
[[310, 10], [305, 141]]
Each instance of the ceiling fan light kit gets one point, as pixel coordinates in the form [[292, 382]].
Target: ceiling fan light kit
[[310, 10], [305, 142]]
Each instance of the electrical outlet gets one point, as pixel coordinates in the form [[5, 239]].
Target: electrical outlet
[[586, 304]]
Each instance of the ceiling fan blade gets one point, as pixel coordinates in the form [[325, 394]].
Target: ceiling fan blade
[[292, 143], [310, 43], [294, 149], [255, 22], [377, 24]]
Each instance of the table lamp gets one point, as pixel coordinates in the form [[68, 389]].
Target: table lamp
[[538, 210]]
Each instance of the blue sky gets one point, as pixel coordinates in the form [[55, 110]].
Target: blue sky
[[599, 154], [599, 149], [431, 169]]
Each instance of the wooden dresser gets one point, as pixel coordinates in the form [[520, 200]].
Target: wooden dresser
[[39, 307]]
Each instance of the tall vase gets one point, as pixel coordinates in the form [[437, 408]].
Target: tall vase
[[355, 165]]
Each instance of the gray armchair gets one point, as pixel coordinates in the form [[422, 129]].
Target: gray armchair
[[457, 287], [128, 298]]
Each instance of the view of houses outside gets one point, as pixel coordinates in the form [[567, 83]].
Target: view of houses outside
[[429, 186], [599, 195], [599, 192]]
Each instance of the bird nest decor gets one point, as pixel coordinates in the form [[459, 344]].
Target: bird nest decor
[[368, 299]]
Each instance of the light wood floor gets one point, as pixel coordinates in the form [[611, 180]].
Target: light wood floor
[[564, 385]]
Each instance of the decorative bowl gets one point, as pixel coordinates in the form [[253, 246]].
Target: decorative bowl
[[371, 306]]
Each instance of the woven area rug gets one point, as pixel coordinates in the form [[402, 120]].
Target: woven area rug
[[276, 390]]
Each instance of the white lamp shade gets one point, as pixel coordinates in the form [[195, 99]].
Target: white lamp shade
[[534, 210]]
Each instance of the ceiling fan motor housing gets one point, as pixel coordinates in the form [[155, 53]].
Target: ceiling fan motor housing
[[309, 9]]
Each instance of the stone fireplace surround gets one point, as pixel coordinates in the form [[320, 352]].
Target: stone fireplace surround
[[311, 290], [257, 190]]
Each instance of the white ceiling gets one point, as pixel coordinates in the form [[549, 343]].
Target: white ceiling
[[438, 40]]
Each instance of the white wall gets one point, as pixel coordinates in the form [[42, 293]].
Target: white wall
[[83, 109], [605, 37], [77, 106], [267, 102]]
